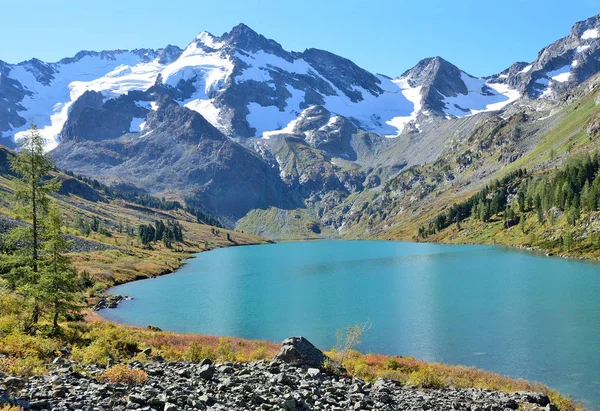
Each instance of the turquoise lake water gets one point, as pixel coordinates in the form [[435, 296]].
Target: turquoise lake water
[[513, 312]]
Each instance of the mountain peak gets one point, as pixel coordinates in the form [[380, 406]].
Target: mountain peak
[[428, 67], [587, 29], [242, 30], [244, 38], [242, 35]]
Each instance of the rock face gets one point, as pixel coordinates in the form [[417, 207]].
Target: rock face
[[559, 66], [260, 385], [181, 150]]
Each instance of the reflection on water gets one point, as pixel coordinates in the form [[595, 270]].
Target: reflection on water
[[516, 313]]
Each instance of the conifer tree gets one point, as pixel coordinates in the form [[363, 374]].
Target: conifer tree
[[32, 192], [58, 280], [32, 166]]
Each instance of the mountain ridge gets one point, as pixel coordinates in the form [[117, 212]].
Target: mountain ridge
[[238, 120]]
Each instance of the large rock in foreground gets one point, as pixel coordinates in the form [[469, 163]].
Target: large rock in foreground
[[299, 352]]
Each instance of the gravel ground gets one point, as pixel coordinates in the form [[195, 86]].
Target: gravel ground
[[262, 385]]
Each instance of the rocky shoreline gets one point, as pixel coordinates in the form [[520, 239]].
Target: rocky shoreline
[[110, 301], [292, 381]]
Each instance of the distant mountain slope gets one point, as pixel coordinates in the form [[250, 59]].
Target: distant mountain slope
[[250, 131]]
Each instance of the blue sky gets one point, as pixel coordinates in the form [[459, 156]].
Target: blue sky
[[387, 36]]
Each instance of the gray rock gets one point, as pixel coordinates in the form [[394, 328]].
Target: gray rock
[[13, 382], [170, 407], [298, 351], [313, 372], [207, 371], [250, 386]]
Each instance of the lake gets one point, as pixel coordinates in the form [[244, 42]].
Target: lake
[[514, 312]]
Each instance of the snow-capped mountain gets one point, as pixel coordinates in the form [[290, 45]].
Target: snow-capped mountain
[[44, 92], [559, 66], [248, 86], [237, 124], [446, 90], [243, 84]]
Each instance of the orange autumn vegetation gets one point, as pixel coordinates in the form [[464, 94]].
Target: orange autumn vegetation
[[125, 375], [118, 341], [408, 370]]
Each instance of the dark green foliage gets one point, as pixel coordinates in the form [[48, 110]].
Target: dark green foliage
[[58, 282], [32, 260], [573, 188], [171, 232], [195, 208], [146, 233], [483, 205]]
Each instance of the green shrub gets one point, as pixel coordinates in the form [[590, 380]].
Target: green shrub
[[426, 377], [225, 350], [393, 364], [198, 352], [108, 342], [22, 367], [259, 353], [22, 345], [329, 367]]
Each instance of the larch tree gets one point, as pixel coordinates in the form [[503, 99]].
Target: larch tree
[[32, 192], [58, 280]]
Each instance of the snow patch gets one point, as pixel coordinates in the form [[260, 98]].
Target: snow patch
[[526, 69], [374, 113], [581, 49], [481, 96], [261, 64], [143, 104], [209, 70], [137, 124], [207, 109], [412, 94], [209, 40], [48, 106], [590, 34], [289, 129], [561, 75], [270, 118]]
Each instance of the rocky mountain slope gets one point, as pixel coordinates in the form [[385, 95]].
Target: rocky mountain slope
[[250, 130]]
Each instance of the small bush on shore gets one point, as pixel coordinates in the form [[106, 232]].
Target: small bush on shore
[[198, 352], [108, 341], [259, 353], [426, 377], [226, 351], [27, 366], [123, 374], [8, 407]]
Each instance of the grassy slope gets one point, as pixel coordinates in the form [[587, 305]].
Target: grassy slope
[[567, 138], [130, 260], [296, 224]]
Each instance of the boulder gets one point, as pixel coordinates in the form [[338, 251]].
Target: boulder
[[207, 371], [299, 352]]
